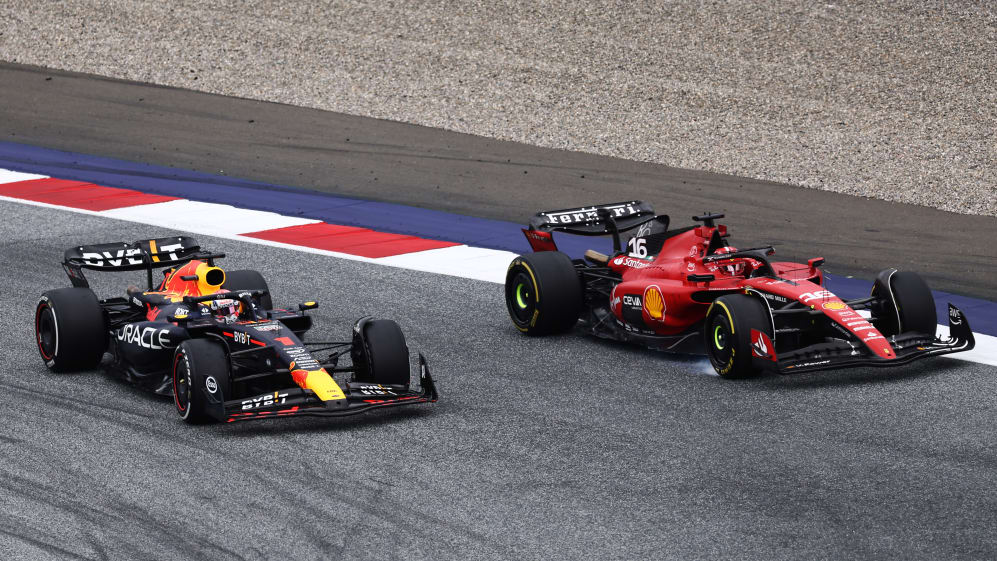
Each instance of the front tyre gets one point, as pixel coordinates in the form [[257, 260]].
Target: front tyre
[[727, 333], [200, 378], [380, 355], [543, 293], [912, 305], [70, 329]]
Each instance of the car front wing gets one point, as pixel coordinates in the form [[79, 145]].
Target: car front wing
[[360, 397], [908, 347]]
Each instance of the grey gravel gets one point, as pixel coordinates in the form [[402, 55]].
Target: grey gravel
[[885, 99]]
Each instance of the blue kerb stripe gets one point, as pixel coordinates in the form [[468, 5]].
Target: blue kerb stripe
[[385, 217]]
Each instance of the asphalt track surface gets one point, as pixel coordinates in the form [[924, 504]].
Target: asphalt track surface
[[566, 448], [396, 162], [559, 448]]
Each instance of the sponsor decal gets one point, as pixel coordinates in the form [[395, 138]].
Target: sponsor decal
[[774, 297], [587, 214], [631, 262], [375, 390], [614, 302], [181, 311], [955, 316], [809, 364], [654, 303], [137, 302], [632, 309], [241, 338], [147, 337], [114, 259], [265, 400], [273, 326], [834, 306], [760, 346], [211, 384], [691, 267], [302, 359]]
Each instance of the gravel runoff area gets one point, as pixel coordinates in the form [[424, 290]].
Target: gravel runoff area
[[888, 99]]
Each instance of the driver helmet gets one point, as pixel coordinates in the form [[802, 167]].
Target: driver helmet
[[225, 309], [731, 267]]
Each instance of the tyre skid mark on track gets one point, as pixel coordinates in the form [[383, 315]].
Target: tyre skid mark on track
[[80, 405], [123, 513], [47, 547], [400, 514]]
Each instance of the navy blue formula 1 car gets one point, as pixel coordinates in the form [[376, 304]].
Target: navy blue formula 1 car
[[215, 342]]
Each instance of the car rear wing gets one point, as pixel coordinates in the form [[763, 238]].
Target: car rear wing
[[135, 256], [595, 220]]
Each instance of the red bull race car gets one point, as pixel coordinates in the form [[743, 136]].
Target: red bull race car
[[215, 342], [666, 288]]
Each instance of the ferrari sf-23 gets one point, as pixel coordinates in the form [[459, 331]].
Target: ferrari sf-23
[[214, 340], [670, 287]]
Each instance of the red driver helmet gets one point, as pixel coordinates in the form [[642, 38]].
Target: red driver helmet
[[730, 267]]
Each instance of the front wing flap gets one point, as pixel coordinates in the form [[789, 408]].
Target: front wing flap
[[908, 347], [360, 397]]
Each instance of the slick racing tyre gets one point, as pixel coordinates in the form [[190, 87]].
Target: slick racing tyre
[[727, 333], [380, 354], [543, 293], [247, 279], [200, 377], [70, 329], [912, 303]]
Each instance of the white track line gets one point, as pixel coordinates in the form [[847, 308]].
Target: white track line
[[206, 218]]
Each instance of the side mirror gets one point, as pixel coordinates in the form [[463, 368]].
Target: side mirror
[[814, 263]]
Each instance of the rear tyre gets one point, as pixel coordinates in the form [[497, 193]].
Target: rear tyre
[[248, 279], [727, 333], [70, 329], [200, 375], [380, 354], [912, 303], [543, 293]]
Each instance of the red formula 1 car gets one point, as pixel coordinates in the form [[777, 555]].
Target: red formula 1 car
[[214, 340], [752, 313]]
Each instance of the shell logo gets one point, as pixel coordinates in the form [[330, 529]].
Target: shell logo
[[834, 306], [654, 303]]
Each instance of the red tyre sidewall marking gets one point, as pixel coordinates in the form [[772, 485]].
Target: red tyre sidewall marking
[[38, 333], [176, 396]]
